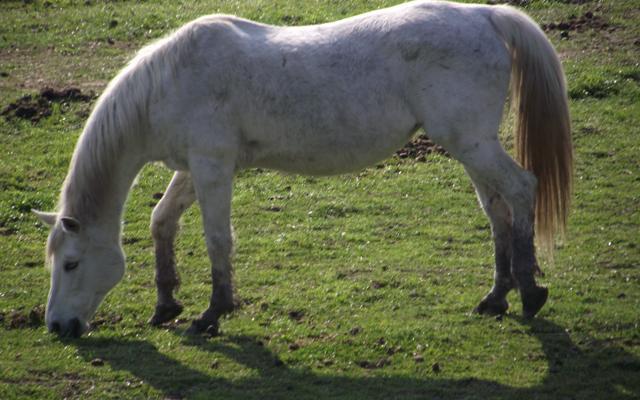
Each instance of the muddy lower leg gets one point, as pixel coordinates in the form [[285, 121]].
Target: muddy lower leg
[[495, 302], [523, 268], [523, 260], [495, 172], [497, 210], [167, 279], [222, 297], [213, 186], [222, 302], [164, 226]]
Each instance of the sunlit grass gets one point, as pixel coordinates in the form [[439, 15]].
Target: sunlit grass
[[356, 286]]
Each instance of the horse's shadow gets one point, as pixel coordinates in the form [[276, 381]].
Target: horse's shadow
[[614, 372]]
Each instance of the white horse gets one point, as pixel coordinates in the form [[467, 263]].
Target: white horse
[[222, 94]]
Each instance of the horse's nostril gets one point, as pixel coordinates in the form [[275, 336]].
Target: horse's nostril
[[75, 328], [55, 327]]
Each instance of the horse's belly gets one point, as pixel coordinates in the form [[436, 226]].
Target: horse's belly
[[313, 163], [329, 153]]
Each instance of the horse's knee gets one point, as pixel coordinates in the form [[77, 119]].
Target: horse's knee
[[220, 244]]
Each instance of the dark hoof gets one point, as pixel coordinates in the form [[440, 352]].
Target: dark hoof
[[165, 313], [533, 301], [200, 326], [492, 306]]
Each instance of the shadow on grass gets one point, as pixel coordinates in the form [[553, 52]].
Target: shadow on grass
[[574, 372]]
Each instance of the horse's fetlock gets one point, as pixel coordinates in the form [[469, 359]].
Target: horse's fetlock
[[223, 300], [492, 305], [165, 312]]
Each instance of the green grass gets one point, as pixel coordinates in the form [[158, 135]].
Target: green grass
[[382, 266]]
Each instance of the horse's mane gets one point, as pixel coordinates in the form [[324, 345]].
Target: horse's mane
[[119, 122]]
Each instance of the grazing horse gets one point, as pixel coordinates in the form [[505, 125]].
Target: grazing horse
[[222, 94]]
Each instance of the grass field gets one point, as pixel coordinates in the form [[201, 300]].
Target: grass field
[[356, 286]]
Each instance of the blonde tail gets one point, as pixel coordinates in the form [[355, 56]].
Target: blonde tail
[[543, 127]]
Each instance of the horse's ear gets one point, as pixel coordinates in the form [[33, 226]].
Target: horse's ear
[[48, 218], [70, 224]]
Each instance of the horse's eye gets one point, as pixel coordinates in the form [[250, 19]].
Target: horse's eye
[[70, 266]]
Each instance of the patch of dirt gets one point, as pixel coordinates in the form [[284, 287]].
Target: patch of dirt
[[355, 330], [366, 364], [296, 315], [523, 3], [130, 240], [17, 319], [97, 362], [67, 94], [7, 231], [510, 2], [33, 109], [294, 346], [30, 264], [36, 107], [419, 148], [105, 320], [378, 285], [435, 367], [175, 324], [588, 20]]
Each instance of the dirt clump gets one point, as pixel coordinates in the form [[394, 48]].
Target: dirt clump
[[419, 148], [510, 2], [435, 367], [367, 364], [17, 319], [355, 330], [588, 20], [36, 316], [29, 108], [523, 3], [105, 320], [296, 315], [39, 106], [97, 362], [64, 95]]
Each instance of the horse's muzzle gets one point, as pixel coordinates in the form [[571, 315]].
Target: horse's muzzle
[[73, 329]]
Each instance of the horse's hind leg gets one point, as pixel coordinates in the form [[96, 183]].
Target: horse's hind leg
[[463, 111], [497, 210], [164, 225], [489, 164]]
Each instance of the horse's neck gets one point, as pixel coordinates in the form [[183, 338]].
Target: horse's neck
[[95, 192]]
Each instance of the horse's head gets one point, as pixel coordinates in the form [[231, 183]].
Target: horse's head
[[84, 267]]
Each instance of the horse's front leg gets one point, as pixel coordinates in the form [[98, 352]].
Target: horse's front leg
[[213, 185], [164, 225]]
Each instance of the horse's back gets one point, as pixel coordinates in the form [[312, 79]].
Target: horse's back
[[337, 96]]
